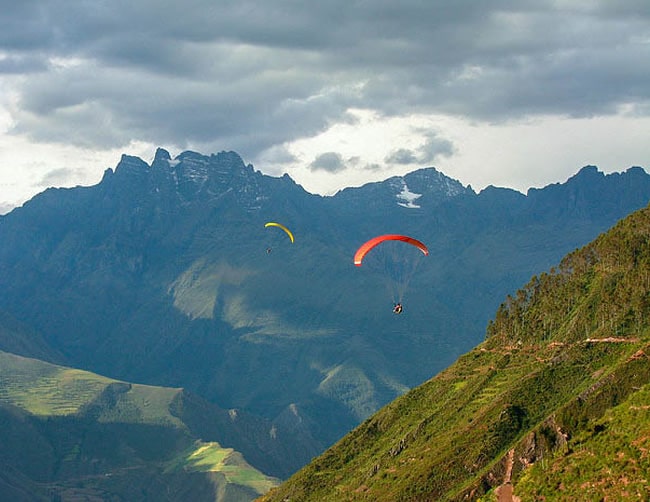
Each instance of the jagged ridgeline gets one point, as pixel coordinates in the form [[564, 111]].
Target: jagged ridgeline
[[555, 403]]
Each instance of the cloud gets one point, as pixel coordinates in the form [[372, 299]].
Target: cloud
[[331, 162], [401, 156], [279, 154], [258, 76], [254, 74], [5, 207], [57, 177], [433, 148], [17, 64]]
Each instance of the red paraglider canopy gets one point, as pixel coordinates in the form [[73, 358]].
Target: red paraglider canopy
[[363, 250]]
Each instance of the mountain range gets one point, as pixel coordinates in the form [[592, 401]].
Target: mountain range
[[160, 275]]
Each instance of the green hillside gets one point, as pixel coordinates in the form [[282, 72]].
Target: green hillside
[[69, 433], [554, 403]]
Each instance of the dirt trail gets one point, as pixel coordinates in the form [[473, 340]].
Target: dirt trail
[[504, 492], [612, 339]]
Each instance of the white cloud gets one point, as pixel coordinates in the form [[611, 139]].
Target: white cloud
[[395, 85]]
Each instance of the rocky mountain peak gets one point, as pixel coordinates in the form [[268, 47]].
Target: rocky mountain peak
[[130, 165], [422, 188], [189, 176], [430, 180], [214, 175], [162, 154]]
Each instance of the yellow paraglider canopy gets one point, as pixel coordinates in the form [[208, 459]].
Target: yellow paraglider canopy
[[280, 225]]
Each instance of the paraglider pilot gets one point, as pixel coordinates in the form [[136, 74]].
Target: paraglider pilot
[[397, 309]]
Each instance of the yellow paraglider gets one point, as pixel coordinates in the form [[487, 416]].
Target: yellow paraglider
[[280, 225]]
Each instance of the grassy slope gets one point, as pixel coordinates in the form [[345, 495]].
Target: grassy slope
[[606, 460], [559, 356], [126, 431]]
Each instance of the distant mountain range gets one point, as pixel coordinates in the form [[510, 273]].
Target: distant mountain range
[[160, 275], [553, 405]]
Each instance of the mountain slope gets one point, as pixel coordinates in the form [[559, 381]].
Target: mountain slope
[[608, 458], [565, 361], [70, 433], [159, 274], [19, 338]]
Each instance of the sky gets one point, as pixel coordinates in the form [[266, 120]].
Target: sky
[[512, 93]]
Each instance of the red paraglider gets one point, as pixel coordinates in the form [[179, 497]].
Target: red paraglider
[[393, 261], [363, 250]]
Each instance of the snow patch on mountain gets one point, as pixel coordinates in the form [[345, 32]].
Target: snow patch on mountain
[[406, 198]]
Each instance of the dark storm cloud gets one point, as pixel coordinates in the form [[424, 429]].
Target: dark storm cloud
[[249, 75], [331, 162], [21, 64], [401, 156], [435, 147]]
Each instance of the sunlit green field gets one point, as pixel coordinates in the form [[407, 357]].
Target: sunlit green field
[[211, 457], [45, 389]]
